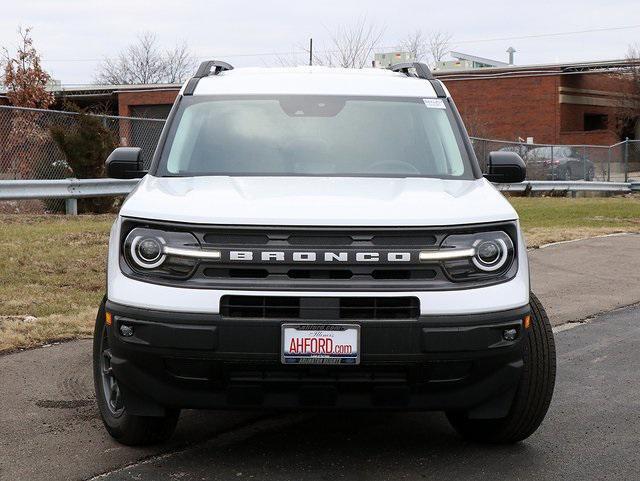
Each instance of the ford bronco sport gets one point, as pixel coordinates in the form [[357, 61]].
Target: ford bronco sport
[[319, 238]]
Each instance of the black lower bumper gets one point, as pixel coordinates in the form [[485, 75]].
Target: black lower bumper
[[184, 360]]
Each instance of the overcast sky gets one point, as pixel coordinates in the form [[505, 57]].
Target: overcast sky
[[73, 35]]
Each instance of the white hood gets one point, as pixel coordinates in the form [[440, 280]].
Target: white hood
[[317, 201]]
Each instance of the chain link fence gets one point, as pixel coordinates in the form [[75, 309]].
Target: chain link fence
[[616, 163], [28, 151]]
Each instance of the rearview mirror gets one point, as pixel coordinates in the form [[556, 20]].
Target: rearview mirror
[[125, 163], [505, 168]]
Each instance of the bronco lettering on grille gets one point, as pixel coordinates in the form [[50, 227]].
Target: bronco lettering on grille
[[306, 256]]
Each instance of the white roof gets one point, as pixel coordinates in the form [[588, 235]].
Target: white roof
[[314, 81]]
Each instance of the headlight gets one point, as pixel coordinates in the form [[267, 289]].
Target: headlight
[[477, 256], [147, 252], [490, 255], [154, 252]]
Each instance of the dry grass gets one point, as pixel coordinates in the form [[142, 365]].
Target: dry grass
[[537, 237], [52, 267], [20, 332], [553, 219]]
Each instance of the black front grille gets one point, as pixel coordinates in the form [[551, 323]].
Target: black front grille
[[334, 265], [319, 274], [319, 308]]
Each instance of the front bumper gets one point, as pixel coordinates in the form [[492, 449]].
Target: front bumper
[[437, 362]]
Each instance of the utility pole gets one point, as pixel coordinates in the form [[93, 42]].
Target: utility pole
[[310, 51]]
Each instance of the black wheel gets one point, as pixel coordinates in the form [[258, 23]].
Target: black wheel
[[534, 391], [122, 426], [566, 174]]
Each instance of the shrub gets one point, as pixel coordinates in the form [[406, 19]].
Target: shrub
[[86, 145]]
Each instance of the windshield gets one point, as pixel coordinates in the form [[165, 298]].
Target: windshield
[[319, 136]]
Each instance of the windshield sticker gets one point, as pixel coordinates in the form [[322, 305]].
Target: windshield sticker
[[434, 103]]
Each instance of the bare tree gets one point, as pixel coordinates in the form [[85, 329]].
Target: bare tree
[[430, 48], [351, 46], [629, 108], [439, 45], [179, 64], [416, 44], [145, 63]]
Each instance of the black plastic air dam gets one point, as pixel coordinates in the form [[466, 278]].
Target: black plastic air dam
[[194, 360]]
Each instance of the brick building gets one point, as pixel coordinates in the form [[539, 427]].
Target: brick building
[[573, 103], [581, 103], [148, 101], [577, 103]]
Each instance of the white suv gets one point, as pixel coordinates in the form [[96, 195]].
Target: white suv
[[319, 238]]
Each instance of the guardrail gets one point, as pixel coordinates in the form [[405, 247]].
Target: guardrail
[[73, 189], [69, 189], [569, 186]]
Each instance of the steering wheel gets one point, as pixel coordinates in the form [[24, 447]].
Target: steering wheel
[[394, 166]]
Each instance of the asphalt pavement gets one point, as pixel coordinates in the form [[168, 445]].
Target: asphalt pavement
[[50, 429], [576, 280]]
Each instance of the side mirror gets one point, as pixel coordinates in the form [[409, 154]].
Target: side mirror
[[125, 163], [505, 168]]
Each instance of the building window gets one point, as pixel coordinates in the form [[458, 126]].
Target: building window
[[595, 122]]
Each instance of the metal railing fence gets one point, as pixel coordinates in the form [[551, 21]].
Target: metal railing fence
[[546, 162], [27, 150]]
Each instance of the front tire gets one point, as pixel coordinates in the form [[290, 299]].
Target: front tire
[[534, 393], [125, 428]]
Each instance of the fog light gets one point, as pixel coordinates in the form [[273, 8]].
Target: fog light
[[125, 330], [510, 334]]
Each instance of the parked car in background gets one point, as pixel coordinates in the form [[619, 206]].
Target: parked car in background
[[558, 163], [520, 149]]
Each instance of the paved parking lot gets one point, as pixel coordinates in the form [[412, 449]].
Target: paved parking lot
[[576, 280], [49, 426]]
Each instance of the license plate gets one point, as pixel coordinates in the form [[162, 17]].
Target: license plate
[[320, 344]]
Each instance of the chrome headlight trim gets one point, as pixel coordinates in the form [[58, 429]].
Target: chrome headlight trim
[[447, 254], [210, 255]]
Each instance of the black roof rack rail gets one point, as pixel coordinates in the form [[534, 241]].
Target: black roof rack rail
[[423, 72], [205, 69]]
